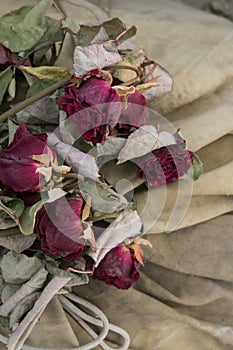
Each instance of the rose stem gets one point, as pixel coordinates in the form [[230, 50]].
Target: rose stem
[[59, 10], [144, 77], [71, 187], [21, 105], [80, 271], [73, 176]]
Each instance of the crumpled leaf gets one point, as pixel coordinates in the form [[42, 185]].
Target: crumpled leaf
[[47, 72], [109, 150], [196, 169], [94, 56], [21, 29], [8, 289], [34, 284], [127, 225], [14, 240], [12, 127], [44, 111], [80, 162], [6, 221], [156, 85], [53, 34], [19, 268], [53, 194], [144, 140], [103, 198], [38, 86], [68, 23], [23, 307], [107, 30], [10, 211], [76, 279], [5, 78], [28, 217], [132, 59], [12, 89]]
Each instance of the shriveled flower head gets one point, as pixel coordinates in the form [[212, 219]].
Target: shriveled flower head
[[119, 267], [59, 228], [19, 162], [98, 105], [164, 165]]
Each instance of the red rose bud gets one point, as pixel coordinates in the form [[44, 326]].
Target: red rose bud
[[93, 120], [59, 228], [164, 165], [119, 268], [18, 169]]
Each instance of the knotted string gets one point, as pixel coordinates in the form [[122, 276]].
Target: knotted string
[[68, 300]]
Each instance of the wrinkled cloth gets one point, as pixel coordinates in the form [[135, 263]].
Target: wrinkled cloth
[[184, 299]]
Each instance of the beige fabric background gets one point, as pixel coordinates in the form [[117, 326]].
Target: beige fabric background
[[184, 300]]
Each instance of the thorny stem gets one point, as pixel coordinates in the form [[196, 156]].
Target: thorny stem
[[21, 105]]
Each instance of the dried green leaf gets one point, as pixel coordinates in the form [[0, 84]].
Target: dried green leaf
[[28, 217], [144, 140], [34, 284], [76, 279], [38, 86], [19, 268], [133, 60], [44, 111], [21, 29], [127, 225], [23, 307], [10, 211], [5, 78], [52, 73], [5, 322], [94, 56], [8, 290], [13, 239], [107, 30], [12, 127], [103, 198], [80, 162], [12, 89], [53, 34], [68, 23], [196, 169], [109, 150], [157, 84]]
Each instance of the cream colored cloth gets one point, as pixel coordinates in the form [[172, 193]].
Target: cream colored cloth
[[184, 299]]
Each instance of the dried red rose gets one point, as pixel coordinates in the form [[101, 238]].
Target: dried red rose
[[135, 114], [59, 228], [100, 108], [18, 169], [164, 165], [119, 268]]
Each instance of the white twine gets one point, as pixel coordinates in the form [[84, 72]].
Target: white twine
[[83, 319]]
